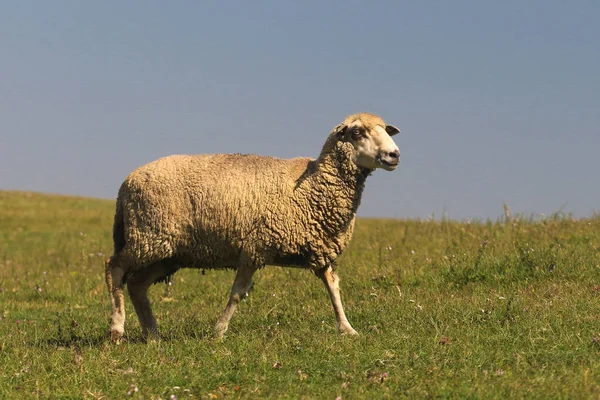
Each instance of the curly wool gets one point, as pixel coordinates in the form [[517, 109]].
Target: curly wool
[[227, 210]]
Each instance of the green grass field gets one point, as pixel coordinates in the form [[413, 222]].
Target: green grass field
[[444, 309]]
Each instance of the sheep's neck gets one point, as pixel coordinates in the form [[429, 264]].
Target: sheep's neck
[[334, 190]]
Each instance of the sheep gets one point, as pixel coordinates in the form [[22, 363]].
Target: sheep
[[242, 212]]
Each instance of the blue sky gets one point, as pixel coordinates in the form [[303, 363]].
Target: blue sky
[[497, 101]]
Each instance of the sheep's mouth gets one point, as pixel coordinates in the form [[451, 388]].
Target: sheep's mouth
[[387, 165]]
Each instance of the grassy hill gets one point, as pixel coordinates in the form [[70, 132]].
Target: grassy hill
[[444, 309]]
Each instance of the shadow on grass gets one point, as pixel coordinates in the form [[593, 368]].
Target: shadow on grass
[[104, 338], [72, 342]]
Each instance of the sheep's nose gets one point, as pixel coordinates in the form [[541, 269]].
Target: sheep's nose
[[394, 154]]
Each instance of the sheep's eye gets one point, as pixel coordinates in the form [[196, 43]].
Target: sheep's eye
[[357, 134]]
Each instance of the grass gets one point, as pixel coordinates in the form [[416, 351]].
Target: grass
[[444, 309]]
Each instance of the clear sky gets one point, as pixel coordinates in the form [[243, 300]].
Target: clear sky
[[498, 101]]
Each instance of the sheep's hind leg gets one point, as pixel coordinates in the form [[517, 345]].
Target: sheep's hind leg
[[114, 273], [241, 284], [331, 280], [138, 285]]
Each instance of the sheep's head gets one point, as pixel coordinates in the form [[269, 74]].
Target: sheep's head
[[371, 139]]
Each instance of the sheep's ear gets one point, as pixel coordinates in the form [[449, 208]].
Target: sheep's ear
[[340, 130], [391, 130]]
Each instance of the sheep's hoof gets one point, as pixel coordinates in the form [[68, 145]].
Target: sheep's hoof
[[116, 336], [348, 331], [219, 335], [219, 331], [151, 337]]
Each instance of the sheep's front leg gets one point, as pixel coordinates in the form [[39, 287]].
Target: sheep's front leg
[[241, 284], [331, 281]]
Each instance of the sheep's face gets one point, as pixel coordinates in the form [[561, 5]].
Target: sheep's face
[[372, 141]]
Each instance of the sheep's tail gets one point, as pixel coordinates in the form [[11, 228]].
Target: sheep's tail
[[119, 228]]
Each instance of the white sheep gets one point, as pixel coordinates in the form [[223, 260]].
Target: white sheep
[[243, 212]]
